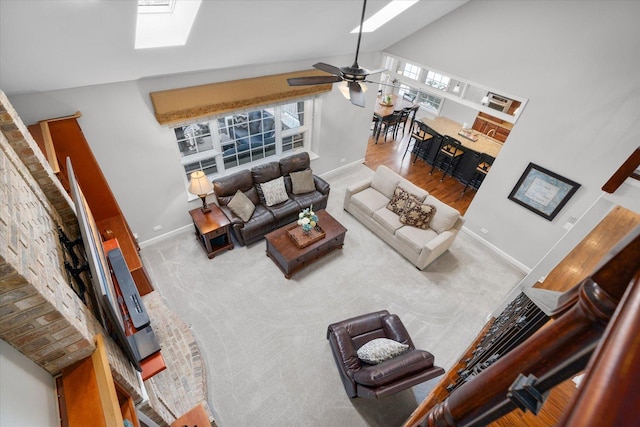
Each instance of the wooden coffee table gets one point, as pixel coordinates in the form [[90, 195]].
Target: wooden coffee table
[[290, 258]]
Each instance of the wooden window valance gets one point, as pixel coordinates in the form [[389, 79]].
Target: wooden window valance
[[186, 104]]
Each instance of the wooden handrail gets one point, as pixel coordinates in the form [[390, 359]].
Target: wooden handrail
[[577, 328], [626, 170], [609, 394]]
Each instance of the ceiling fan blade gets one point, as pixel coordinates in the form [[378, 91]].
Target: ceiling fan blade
[[328, 68], [313, 80], [356, 94], [379, 70]]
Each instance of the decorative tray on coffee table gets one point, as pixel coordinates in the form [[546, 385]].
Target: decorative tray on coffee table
[[302, 239]]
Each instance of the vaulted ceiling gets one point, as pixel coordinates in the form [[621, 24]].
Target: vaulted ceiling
[[57, 44]]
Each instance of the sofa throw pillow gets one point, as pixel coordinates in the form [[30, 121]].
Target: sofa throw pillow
[[241, 206], [274, 191], [302, 182], [417, 214], [380, 349], [400, 199]]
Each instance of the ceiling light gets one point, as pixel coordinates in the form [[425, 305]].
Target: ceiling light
[[384, 15], [344, 89]]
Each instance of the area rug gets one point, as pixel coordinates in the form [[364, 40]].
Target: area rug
[[263, 337]]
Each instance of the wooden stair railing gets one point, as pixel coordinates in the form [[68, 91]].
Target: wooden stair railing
[[554, 353], [610, 393], [626, 170]]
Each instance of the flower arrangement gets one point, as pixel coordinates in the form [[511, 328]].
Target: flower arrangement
[[307, 219]]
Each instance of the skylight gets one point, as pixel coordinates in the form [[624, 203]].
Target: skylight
[[384, 15], [156, 6], [163, 23]]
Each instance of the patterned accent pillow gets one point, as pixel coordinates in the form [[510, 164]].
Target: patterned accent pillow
[[302, 182], [417, 214], [274, 191], [380, 349], [241, 206], [399, 201]]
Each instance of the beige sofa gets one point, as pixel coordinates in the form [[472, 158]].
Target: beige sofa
[[367, 201]]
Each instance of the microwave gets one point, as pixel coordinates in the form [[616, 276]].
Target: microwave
[[498, 102]]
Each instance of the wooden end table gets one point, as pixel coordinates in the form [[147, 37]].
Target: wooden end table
[[213, 230], [290, 258]]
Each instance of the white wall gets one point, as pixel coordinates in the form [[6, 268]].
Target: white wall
[[27, 392], [140, 158], [577, 64]]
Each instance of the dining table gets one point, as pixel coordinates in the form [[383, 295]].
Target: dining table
[[383, 110]]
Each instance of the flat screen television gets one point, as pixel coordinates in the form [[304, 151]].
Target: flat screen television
[[102, 283]]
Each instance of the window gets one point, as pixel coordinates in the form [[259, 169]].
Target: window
[[430, 102], [407, 92], [243, 137], [427, 101], [437, 80], [196, 148], [411, 71]]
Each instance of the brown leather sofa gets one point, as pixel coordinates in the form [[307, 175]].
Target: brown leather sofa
[[391, 376], [268, 218]]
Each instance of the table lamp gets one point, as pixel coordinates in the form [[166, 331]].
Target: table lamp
[[200, 186]]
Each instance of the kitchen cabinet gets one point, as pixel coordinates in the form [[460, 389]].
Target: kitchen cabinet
[[492, 127]]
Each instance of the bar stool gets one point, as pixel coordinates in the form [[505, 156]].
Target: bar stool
[[482, 169], [448, 156], [419, 135]]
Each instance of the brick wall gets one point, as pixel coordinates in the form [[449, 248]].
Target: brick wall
[[39, 314]]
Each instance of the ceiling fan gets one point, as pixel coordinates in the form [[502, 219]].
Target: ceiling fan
[[353, 75]]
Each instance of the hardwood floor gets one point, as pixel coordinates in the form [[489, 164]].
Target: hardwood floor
[[390, 154]]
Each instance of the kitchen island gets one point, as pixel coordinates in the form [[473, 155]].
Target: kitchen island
[[447, 126], [472, 149]]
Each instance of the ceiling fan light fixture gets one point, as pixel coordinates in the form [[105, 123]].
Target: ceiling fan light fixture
[[352, 77], [344, 89]]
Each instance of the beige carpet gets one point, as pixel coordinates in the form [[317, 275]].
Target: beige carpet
[[263, 337]]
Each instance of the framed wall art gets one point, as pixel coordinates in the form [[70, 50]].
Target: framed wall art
[[542, 191]]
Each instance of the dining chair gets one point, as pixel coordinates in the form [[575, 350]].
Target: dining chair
[[412, 114], [404, 117], [389, 124], [448, 156]]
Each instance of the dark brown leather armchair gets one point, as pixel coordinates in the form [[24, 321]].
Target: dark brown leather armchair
[[391, 376]]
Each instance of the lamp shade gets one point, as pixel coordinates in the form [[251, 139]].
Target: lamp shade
[[200, 184]]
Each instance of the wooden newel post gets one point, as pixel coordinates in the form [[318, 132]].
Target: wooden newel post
[[576, 330]]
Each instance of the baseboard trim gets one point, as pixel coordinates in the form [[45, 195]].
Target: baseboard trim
[[498, 251], [180, 230], [342, 168]]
